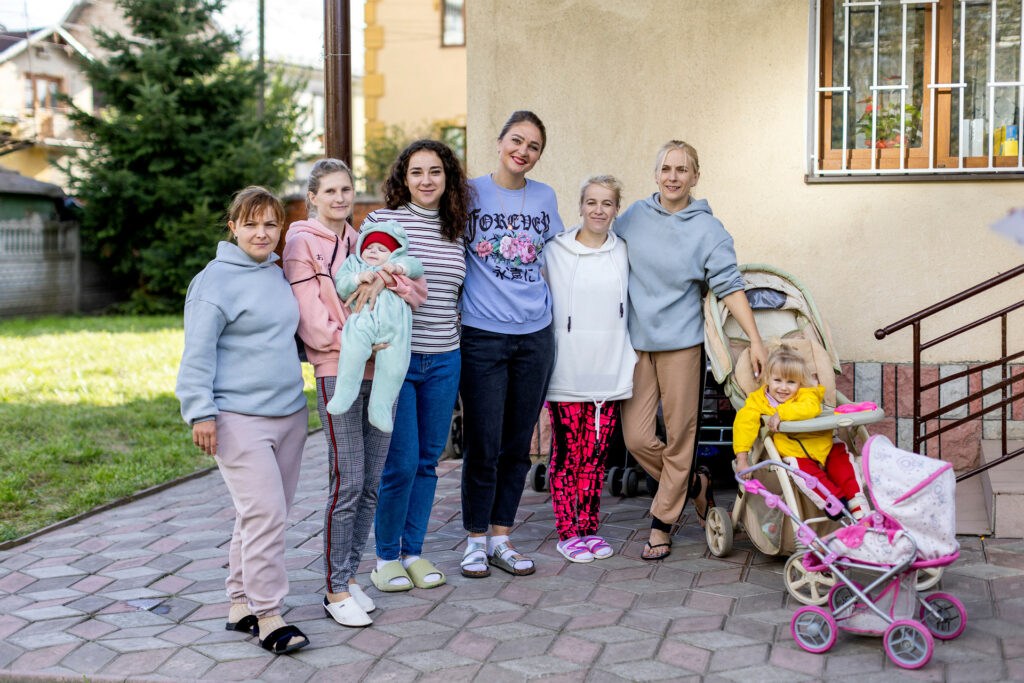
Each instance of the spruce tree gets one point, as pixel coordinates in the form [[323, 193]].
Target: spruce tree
[[177, 134]]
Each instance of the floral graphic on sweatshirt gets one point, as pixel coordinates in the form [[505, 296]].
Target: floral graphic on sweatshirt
[[510, 248]]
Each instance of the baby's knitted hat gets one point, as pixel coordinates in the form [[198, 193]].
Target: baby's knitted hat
[[381, 238]]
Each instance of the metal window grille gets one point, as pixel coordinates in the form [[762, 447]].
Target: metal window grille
[[992, 87]]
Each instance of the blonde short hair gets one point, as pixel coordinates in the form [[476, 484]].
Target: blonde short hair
[[252, 202], [788, 364], [685, 147], [609, 182]]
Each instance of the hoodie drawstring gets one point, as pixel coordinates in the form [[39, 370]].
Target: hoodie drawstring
[[597, 420]]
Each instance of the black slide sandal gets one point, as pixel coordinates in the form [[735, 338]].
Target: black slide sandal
[[247, 624], [277, 641]]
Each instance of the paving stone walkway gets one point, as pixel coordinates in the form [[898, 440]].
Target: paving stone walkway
[[136, 593]]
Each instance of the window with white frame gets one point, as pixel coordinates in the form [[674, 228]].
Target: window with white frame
[[918, 87], [453, 23]]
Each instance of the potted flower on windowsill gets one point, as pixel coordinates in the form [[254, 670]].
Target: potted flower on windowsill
[[887, 126]]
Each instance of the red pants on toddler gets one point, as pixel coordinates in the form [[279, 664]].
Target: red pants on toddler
[[838, 476]]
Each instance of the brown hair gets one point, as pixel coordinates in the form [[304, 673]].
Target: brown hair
[[253, 201], [789, 364], [454, 208], [685, 147], [606, 181], [528, 116], [322, 168]]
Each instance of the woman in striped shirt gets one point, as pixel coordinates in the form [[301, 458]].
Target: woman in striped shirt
[[427, 193]]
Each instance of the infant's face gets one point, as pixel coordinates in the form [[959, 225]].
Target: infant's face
[[375, 254]]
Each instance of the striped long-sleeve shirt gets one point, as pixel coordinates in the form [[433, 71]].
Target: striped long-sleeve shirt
[[435, 325]]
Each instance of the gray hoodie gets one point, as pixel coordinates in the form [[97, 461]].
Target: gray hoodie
[[673, 259], [240, 355]]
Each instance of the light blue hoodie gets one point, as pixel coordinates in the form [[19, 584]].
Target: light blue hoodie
[[673, 259], [240, 354]]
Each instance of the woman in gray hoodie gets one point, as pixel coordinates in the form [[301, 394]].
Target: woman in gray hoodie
[[677, 250], [240, 387]]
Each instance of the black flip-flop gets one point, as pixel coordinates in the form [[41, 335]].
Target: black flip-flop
[[657, 545], [277, 641], [247, 624]]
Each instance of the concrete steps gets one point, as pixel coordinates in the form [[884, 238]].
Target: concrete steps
[[992, 503]]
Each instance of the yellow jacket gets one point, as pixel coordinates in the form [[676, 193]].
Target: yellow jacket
[[805, 405]]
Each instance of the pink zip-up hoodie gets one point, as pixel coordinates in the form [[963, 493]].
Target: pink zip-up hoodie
[[308, 265]]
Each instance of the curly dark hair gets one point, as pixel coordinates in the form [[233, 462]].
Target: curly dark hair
[[454, 208]]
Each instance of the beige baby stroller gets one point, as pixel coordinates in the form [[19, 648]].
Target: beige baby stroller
[[783, 310]]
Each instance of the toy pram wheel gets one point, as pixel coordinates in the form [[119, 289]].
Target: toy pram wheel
[[615, 481], [928, 578], [810, 588], [952, 616], [539, 476], [718, 530], [837, 597], [908, 644], [630, 482], [813, 629]]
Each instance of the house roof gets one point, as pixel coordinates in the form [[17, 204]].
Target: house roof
[[12, 182], [18, 41]]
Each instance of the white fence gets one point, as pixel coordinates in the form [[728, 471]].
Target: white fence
[[40, 267]]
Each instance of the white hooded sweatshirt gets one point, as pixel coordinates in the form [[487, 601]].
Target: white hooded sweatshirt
[[593, 356]]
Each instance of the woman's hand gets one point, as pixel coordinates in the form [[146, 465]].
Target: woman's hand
[[204, 435], [365, 293], [758, 356], [742, 463]]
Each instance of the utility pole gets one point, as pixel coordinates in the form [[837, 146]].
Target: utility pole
[[338, 80], [262, 67]]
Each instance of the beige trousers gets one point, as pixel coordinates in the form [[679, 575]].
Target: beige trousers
[[673, 377], [259, 458]]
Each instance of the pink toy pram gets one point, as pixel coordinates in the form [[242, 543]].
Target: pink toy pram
[[913, 527]]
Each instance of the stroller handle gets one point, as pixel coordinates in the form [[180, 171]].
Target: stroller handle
[[832, 504]]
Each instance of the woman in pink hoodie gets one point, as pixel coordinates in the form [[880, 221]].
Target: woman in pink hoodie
[[356, 451]]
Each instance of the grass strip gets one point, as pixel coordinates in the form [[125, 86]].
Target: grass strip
[[88, 414]]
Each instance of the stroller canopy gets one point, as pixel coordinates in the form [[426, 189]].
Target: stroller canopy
[[915, 491]]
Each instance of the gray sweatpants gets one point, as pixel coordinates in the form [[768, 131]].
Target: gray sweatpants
[[356, 452], [259, 458]]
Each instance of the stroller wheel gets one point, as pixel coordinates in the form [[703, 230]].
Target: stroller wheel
[[928, 578], [539, 476], [630, 482], [839, 596], [718, 530], [615, 481], [908, 644], [810, 588], [951, 619], [813, 629]]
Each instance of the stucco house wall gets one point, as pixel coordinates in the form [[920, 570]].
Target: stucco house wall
[[614, 80]]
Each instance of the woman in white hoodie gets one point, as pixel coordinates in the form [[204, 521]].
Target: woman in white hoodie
[[587, 272]]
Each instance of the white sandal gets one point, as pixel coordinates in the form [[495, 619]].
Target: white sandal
[[347, 612]]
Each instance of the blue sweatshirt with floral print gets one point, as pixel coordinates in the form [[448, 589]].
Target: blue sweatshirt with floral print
[[504, 290]]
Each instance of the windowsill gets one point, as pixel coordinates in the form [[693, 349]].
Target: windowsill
[[911, 177]]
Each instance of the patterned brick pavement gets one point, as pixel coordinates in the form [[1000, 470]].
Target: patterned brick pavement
[[137, 592]]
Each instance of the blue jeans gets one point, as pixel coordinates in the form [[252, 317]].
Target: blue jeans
[[504, 381], [422, 422]]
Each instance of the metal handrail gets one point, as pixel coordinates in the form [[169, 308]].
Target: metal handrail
[[920, 422]]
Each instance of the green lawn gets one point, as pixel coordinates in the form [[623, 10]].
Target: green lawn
[[88, 414]]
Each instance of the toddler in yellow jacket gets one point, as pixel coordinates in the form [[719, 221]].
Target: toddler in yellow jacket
[[790, 394]]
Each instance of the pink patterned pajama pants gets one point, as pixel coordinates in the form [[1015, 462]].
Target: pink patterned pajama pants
[[576, 471]]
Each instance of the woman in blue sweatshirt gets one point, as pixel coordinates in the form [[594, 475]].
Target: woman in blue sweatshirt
[[508, 346], [240, 387], [677, 248]]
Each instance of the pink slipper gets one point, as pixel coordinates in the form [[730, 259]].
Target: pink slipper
[[856, 407]]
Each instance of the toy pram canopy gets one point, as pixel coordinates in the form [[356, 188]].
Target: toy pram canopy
[[784, 310], [915, 491]]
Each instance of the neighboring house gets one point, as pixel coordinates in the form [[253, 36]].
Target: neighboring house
[[35, 66], [881, 211], [416, 67]]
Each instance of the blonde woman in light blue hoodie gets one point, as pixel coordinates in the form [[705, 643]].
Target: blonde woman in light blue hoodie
[[677, 250]]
